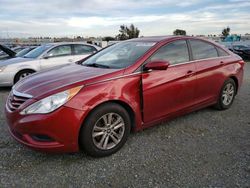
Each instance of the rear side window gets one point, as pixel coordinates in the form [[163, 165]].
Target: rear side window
[[80, 49], [60, 51], [175, 52], [202, 50], [221, 52]]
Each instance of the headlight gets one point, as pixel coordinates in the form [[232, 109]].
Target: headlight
[[2, 68], [51, 103]]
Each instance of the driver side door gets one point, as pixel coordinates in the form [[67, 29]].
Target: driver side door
[[168, 91], [57, 56]]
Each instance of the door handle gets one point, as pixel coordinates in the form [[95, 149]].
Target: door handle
[[70, 60], [222, 62]]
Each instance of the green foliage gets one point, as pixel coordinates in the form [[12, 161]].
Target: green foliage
[[108, 38], [179, 32], [226, 31], [128, 32]]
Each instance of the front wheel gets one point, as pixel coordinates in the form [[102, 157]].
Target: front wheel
[[22, 74], [227, 94], [105, 130]]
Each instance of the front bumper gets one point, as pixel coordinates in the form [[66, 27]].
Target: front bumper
[[6, 78], [60, 128]]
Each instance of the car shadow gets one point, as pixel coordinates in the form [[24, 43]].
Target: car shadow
[[5, 89]]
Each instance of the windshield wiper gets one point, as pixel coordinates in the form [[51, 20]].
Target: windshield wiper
[[97, 65]]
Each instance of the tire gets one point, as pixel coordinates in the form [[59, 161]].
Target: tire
[[99, 139], [227, 95], [22, 74]]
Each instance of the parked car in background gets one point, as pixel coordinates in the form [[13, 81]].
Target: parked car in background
[[6, 53], [131, 85], [18, 48], [41, 58], [24, 51], [241, 50]]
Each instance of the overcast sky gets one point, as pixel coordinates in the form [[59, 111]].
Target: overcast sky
[[20, 18]]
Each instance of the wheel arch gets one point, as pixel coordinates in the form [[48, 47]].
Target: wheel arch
[[235, 79], [22, 70], [125, 105]]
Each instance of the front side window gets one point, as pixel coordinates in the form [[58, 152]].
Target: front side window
[[175, 52], [202, 50], [60, 51], [83, 49]]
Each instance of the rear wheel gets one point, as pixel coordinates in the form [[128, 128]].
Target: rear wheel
[[22, 74], [227, 94], [105, 130]]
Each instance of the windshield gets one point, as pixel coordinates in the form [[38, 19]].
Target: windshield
[[119, 55], [23, 52], [241, 47], [37, 51]]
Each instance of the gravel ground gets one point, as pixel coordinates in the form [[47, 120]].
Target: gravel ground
[[207, 148]]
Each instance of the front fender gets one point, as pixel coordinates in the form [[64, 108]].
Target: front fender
[[126, 90], [26, 66]]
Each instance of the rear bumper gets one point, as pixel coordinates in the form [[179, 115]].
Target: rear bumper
[[60, 128]]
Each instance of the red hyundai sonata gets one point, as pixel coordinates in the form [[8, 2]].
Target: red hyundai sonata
[[131, 85]]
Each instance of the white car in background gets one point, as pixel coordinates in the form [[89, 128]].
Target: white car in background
[[43, 57]]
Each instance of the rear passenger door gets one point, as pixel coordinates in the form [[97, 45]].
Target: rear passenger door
[[207, 64], [57, 56], [81, 51]]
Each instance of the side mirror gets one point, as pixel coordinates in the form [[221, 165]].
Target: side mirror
[[46, 57], [157, 65]]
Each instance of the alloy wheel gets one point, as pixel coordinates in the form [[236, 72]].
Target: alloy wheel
[[25, 74], [108, 131], [228, 94]]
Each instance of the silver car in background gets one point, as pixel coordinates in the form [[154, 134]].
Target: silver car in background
[[41, 58]]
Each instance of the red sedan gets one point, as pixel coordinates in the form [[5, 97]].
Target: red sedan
[[131, 85]]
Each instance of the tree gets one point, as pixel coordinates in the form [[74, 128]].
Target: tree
[[179, 32], [108, 38], [226, 32], [128, 32]]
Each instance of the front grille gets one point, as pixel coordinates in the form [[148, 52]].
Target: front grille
[[15, 101]]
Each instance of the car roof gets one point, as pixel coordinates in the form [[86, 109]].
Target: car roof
[[159, 38], [151, 38], [165, 38], [62, 43]]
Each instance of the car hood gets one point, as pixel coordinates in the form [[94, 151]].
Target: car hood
[[15, 60], [44, 83], [7, 50]]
